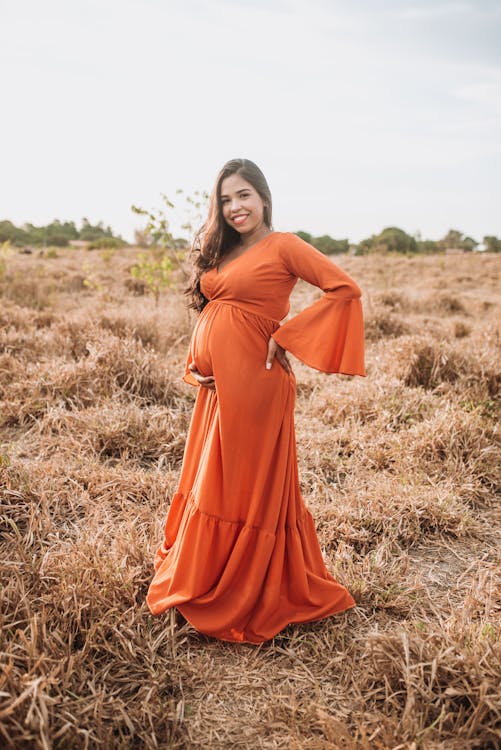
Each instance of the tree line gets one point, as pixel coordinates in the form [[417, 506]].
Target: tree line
[[394, 239], [391, 239], [57, 233]]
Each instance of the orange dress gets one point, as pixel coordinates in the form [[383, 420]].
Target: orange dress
[[240, 558]]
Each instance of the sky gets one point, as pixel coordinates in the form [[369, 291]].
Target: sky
[[362, 114]]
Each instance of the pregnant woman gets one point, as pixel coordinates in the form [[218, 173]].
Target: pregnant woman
[[240, 558]]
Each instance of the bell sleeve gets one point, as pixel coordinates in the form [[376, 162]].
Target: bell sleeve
[[329, 334], [188, 378]]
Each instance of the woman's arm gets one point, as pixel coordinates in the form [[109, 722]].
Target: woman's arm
[[329, 334]]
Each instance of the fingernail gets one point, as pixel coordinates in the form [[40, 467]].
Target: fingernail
[[268, 365]]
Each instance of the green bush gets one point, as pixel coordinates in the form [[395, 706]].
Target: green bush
[[326, 244], [492, 244], [154, 270], [390, 240], [106, 243]]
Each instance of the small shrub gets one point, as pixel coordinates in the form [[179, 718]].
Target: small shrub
[[106, 243], [154, 271], [136, 286], [384, 324], [431, 365], [449, 304]]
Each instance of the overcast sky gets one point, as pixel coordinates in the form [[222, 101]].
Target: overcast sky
[[362, 114]]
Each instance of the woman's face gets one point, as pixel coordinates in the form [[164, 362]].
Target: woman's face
[[242, 206]]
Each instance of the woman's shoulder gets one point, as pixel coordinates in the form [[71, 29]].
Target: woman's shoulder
[[289, 242], [284, 239], [288, 237]]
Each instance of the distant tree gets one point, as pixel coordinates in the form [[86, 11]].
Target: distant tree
[[427, 246], [329, 245], [366, 245], [35, 235], [492, 244], [326, 244], [10, 233], [60, 240], [452, 240], [91, 232], [391, 239], [56, 233], [468, 244], [7, 231], [306, 236]]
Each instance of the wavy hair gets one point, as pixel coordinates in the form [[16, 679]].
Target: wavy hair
[[216, 238]]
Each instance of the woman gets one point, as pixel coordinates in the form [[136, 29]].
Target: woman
[[240, 557]]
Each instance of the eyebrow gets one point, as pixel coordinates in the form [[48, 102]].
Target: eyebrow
[[242, 190]]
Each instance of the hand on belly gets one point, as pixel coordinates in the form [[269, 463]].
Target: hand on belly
[[207, 381]]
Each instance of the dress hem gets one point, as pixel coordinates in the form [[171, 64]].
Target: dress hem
[[257, 642]]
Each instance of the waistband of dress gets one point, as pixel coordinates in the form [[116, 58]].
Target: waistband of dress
[[213, 302]]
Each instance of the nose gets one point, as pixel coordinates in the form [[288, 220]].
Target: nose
[[235, 204]]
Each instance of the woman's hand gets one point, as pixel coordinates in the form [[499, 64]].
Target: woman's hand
[[275, 350], [207, 381]]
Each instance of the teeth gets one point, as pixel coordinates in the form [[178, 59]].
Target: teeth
[[239, 219]]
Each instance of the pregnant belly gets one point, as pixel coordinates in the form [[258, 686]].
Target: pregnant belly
[[201, 341], [226, 335]]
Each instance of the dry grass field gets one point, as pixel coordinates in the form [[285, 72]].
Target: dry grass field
[[401, 470]]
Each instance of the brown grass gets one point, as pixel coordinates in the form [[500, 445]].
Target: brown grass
[[401, 470]]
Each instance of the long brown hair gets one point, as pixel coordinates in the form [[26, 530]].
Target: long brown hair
[[215, 237]]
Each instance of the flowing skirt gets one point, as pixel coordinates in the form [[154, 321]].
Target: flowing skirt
[[240, 557]]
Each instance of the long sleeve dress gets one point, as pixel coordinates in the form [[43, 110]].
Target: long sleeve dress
[[240, 558]]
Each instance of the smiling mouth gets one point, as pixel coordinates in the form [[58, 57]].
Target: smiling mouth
[[239, 219]]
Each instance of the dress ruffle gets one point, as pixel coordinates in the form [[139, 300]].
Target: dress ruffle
[[211, 568]]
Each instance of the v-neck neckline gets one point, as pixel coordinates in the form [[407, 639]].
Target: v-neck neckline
[[238, 257]]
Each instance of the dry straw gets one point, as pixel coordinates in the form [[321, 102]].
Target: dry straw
[[400, 470]]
